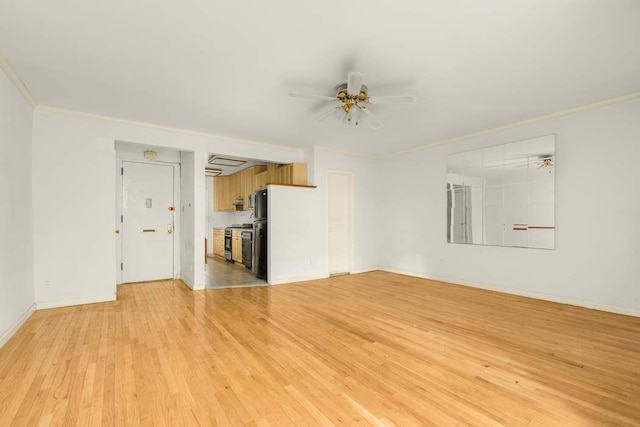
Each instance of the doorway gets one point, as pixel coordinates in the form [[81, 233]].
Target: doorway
[[340, 213], [147, 221]]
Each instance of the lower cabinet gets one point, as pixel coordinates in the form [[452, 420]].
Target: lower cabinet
[[218, 242], [236, 245]]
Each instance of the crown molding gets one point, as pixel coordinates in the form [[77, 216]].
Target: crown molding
[[56, 110], [603, 103], [4, 64], [17, 82]]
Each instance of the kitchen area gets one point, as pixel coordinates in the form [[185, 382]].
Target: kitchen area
[[237, 217]]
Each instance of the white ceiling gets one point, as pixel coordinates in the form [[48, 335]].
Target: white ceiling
[[227, 67]]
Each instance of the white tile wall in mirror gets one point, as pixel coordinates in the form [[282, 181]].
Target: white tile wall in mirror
[[503, 195]]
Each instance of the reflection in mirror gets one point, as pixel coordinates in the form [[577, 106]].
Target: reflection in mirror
[[503, 195]]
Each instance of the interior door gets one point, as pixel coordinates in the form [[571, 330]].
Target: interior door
[[339, 201], [148, 221]]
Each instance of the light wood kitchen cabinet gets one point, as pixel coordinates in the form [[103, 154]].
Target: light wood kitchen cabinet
[[293, 173], [250, 183], [289, 174], [222, 194], [236, 245], [234, 187], [218, 242], [260, 180], [271, 173], [229, 188], [240, 185]]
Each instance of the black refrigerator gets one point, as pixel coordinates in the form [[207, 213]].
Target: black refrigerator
[[260, 235]]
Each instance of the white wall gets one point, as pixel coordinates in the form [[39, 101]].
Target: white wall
[[16, 244], [299, 217], [366, 217], [74, 198], [595, 263], [399, 209], [299, 252], [187, 219], [209, 212]]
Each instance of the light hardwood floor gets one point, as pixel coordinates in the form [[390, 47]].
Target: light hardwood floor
[[374, 348]]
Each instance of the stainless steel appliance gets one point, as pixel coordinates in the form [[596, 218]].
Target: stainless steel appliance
[[227, 244], [247, 247], [260, 235]]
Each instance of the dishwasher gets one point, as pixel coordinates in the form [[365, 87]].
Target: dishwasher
[[247, 248]]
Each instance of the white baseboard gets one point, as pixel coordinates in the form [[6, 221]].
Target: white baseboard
[[298, 279], [18, 323], [365, 270], [318, 277], [537, 295], [74, 301]]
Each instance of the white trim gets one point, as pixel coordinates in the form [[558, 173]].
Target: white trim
[[597, 104], [299, 279], [603, 103], [4, 338], [50, 109], [74, 301], [348, 153], [365, 270], [519, 292], [18, 83], [184, 280]]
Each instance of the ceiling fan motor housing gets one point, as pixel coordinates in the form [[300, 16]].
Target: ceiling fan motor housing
[[349, 100]]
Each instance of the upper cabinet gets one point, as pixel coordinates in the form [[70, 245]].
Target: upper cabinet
[[291, 174], [221, 195], [231, 188]]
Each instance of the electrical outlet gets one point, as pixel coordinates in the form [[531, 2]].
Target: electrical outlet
[[47, 284]]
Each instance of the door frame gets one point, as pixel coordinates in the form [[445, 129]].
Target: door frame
[[350, 221], [119, 212]]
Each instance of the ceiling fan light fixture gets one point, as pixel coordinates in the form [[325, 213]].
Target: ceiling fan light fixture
[[353, 98]]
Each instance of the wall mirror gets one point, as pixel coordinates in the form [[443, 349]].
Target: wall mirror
[[503, 195]]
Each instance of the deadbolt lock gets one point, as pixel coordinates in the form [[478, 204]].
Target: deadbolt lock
[[169, 228]]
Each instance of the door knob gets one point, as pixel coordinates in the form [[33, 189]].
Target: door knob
[[169, 228]]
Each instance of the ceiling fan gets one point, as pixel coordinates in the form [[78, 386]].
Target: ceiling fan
[[546, 162], [352, 101]]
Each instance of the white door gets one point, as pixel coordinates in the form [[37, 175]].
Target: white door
[[339, 201], [147, 226]]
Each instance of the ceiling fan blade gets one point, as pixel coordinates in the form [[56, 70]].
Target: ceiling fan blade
[[354, 83], [313, 96], [371, 120], [333, 111], [392, 99], [356, 116], [345, 118]]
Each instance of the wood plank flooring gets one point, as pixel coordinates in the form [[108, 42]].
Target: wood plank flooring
[[368, 349]]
